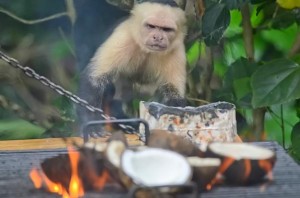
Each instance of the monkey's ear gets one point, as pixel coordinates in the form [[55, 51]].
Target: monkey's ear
[[171, 3]]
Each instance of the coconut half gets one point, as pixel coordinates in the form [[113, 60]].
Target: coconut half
[[243, 163], [204, 170], [156, 167], [114, 152]]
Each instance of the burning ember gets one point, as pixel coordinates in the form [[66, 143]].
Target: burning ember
[[39, 178], [75, 187]]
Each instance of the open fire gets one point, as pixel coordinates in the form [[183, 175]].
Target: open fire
[[93, 166], [74, 187]]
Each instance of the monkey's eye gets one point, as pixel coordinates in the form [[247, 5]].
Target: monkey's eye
[[150, 26], [166, 29]]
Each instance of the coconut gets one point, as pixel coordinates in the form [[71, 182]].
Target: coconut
[[113, 153], [243, 163], [204, 170], [156, 167], [99, 147], [166, 140]]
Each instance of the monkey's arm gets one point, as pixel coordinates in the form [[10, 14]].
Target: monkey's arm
[[96, 81], [172, 90], [93, 95]]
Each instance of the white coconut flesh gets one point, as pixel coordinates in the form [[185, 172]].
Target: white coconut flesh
[[100, 147], [241, 151], [114, 151], [205, 162], [155, 167]]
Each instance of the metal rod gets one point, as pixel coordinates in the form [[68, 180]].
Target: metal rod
[[86, 133]]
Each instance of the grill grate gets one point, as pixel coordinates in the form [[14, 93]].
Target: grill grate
[[15, 166]]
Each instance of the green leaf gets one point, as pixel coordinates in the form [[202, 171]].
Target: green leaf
[[295, 137], [243, 68], [214, 23], [242, 87], [234, 27], [193, 53], [257, 17], [19, 129], [260, 1], [287, 37], [266, 6], [234, 4], [297, 107], [238, 78], [234, 50], [276, 82], [283, 19]]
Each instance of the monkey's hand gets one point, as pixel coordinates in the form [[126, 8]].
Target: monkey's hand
[[176, 102], [169, 95]]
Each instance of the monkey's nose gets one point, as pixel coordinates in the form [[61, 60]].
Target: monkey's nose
[[157, 37]]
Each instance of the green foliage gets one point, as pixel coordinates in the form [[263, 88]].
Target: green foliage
[[234, 4], [234, 27], [193, 53], [295, 138], [297, 107], [238, 79], [261, 1], [268, 81], [214, 23], [287, 37], [19, 129], [233, 50], [276, 82]]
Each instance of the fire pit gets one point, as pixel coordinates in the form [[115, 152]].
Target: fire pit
[[15, 182]]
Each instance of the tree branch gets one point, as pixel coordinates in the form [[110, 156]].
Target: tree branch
[[296, 47], [71, 13], [71, 10], [35, 21], [258, 114]]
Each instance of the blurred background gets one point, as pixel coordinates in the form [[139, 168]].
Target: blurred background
[[241, 51]]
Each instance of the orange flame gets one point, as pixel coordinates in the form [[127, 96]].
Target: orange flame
[[267, 167], [39, 178], [247, 168], [228, 161], [209, 187], [36, 178], [75, 187], [101, 180]]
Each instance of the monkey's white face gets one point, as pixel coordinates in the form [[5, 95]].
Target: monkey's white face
[[158, 33], [157, 27]]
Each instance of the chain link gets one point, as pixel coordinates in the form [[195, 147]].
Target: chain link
[[60, 90]]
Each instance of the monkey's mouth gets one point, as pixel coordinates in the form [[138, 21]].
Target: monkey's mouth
[[157, 47]]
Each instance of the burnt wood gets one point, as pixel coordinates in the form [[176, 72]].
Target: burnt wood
[[15, 182]]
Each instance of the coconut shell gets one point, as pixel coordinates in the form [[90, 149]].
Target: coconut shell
[[204, 170], [166, 140], [243, 169], [118, 136], [113, 154]]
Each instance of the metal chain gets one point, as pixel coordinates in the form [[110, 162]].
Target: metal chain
[[60, 90]]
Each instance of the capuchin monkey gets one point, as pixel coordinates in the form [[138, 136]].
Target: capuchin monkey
[[145, 52]]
